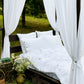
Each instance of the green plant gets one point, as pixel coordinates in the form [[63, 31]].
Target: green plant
[[21, 64]]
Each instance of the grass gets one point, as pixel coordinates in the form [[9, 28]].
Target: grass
[[33, 24], [1, 25], [25, 82]]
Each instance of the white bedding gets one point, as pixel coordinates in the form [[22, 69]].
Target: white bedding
[[50, 60], [47, 55]]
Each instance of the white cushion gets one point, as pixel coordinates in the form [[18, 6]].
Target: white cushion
[[43, 33], [53, 40], [25, 36], [44, 42]]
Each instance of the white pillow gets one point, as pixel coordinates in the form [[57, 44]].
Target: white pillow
[[43, 33], [32, 44], [25, 36], [53, 40], [45, 42]]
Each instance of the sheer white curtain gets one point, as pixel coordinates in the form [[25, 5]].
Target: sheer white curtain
[[51, 13], [12, 12], [81, 31], [67, 25], [81, 44]]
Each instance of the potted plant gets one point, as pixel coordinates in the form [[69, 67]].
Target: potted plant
[[20, 65]]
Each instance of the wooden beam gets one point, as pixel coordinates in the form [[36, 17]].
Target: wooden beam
[[3, 31], [15, 49], [13, 38], [23, 17], [54, 32], [78, 12], [44, 76]]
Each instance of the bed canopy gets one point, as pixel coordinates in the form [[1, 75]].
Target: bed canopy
[[62, 15]]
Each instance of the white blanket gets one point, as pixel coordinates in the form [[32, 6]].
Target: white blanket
[[55, 61]]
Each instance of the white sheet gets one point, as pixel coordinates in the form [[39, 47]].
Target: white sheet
[[55, 61]]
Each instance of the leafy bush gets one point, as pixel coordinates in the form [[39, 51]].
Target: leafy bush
[[35, 8], [21, 64]]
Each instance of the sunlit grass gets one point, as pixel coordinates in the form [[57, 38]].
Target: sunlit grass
[[1, 21], [32, 24], [1, 25]]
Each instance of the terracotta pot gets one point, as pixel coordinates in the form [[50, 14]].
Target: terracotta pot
[[20, 78]]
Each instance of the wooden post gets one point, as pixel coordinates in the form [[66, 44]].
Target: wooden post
[[78, 12], [3, 31], [23, 17]]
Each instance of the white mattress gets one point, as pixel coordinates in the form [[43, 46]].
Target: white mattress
[[56, 61]]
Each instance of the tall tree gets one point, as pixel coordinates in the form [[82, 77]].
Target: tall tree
[[23, 17], [35, 6]]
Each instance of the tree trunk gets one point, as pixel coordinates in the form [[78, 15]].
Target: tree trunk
[[23, 18], [78, 12]]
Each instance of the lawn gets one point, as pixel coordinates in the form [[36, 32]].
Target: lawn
[[32, 24], [1, 25]]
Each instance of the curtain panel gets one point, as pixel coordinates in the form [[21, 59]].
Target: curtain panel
[[12, 13], [66, 24]]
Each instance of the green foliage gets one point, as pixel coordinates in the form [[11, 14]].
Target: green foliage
[[0, 6], [35, 8], [0, 3], [21, 64], [0, 10], [27, 82]]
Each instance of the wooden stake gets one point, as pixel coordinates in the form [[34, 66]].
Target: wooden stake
[[78, 12]]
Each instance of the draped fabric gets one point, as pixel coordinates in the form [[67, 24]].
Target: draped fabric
[[66, 11], [12, 12], [51, 13], [81, 43], [81, 31]]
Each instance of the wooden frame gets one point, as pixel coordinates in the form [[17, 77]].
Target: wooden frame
[[78, 12]]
